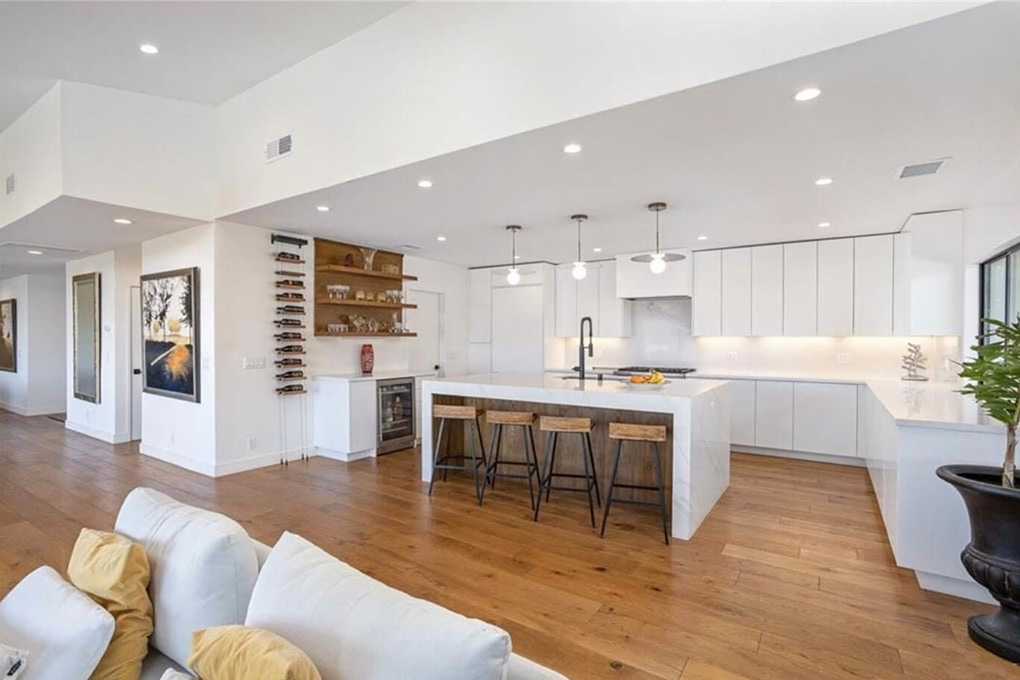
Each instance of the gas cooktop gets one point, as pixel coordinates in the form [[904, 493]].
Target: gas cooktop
[[665, 370]]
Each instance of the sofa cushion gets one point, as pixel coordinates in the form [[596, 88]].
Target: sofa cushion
[[115, 573], [234, 652], [156, 666], [64, 632], [203, 567], [353, 626]]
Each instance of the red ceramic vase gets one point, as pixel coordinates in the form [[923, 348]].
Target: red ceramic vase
[[367, 359]]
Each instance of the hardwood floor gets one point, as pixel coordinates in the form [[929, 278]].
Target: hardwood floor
[[789, 578]]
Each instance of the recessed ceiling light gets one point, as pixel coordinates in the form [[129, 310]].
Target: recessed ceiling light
[[807, 94], [440, 238], [425, 183], [122, 220], [824, 225], [517, 257], [35, 252], [596, 250], [322, 208], [702, 238], [572, 148], [823, 181], [148, 48]]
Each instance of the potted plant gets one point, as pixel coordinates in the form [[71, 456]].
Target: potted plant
[[992, 557]]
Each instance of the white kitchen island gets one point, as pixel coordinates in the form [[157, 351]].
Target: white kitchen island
[[697, 411]]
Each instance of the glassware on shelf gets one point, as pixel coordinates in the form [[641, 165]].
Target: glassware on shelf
[[369, 257], [359, 295]]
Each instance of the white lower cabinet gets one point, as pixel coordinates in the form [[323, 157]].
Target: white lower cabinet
[[773, 414], [742, 412], [825, 418]]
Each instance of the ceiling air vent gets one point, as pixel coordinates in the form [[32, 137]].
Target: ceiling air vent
[[278, 148], [408, 246], [922, 169], [11, 184]]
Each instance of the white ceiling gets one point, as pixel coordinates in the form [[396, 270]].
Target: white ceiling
[[70, 228], [209, 51], [736, 160]]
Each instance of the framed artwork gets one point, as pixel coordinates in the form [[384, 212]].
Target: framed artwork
[[170, 334], [9, 336]]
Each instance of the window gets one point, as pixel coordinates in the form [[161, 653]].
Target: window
[[1000, 286]]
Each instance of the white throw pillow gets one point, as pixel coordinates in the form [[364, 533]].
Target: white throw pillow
[[63, 630], [203, 567], [353, 626]]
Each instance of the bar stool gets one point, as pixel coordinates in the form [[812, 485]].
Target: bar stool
[[447, 412], [622, 432], [497, 421], [553, 426]]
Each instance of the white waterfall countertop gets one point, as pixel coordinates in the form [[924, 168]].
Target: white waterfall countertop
[[700, 430]]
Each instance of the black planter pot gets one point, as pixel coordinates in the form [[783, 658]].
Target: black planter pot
[[992, 557]]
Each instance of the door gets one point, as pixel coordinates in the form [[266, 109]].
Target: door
[[517, 330], [136, 363], [426, 321]]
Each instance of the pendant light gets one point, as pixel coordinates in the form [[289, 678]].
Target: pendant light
[[513, 276], [657, 260], [579, 271]]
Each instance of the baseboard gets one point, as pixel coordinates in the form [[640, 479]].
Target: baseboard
[[13, 408], [200, 466], [46, 410], [966, 589], [798, 455], [101, 435], [255, 462], [345, 457]]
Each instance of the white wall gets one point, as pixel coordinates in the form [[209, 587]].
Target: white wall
[[138, 150], [433, 78], [110, 419], [177, 431], [31, 149], [37, 387]]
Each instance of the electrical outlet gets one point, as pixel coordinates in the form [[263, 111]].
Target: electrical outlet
[[250, 363], [250, 443], [732, 356], [842, 358]]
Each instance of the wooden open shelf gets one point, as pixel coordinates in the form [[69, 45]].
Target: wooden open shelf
[[358, 271], [366, 303], [366, 334]]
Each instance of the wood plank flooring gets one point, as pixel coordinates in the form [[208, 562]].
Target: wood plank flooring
[[789, 578]]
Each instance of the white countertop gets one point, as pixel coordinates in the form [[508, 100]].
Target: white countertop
[[555, 382], [376, 375]]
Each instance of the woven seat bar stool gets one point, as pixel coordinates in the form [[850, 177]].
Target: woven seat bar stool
[[458, 462], [554, 427], [626, 432], [497, 421]]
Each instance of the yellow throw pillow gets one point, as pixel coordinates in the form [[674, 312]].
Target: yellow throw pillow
[[115, 573], [242, 653]]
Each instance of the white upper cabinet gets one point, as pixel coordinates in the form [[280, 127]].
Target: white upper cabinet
[[736, 291], [636, 280], [480, 306], [767, 290], [614, 313], [928, 269], [873, 285], [706, 299], [518, 326], [836, 287], [800, 288], [594, 296]]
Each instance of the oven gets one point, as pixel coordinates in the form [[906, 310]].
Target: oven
[[395, 407]]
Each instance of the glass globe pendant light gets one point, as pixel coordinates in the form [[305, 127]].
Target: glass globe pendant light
[[513, 275], [579, 271], [657, 260]]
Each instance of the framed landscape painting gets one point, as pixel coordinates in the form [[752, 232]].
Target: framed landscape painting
[[9, 335], [170, 334]]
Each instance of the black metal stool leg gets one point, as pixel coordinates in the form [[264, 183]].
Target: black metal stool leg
[[612, 485], [662, 493], [435, 453], [530, 465], [552, 465], [594, 472], [492, 447], [475, 463], [588, 481], [543, 481], [495, 456]]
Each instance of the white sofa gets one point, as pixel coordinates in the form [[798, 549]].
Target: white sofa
[[153, 519]]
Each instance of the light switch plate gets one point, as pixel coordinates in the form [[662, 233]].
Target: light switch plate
[[252, 363], [842, 358]]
